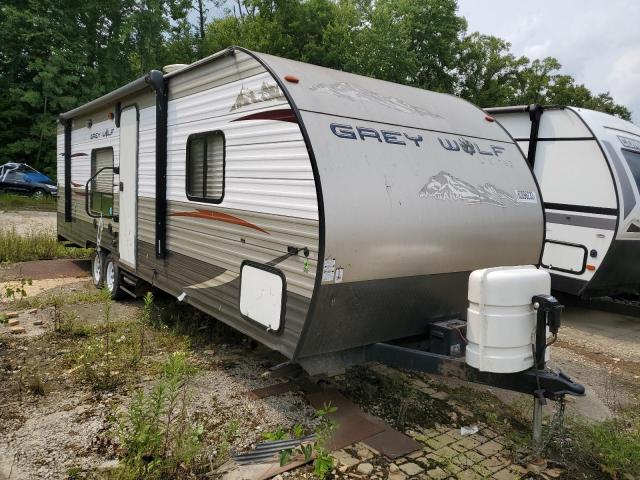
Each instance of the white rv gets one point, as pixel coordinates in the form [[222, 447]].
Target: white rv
[[588, 166], [314, 210]]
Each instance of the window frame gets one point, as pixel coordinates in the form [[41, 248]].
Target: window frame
[[197, 136], [636, 181], [93, 170]]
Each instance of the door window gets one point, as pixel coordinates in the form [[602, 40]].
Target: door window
[[101, 194]]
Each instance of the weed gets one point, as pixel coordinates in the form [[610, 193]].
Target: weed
[[36, 385], [184, 319], [323, 462], [156, 433], [70, 325], [231, 431], [11, 290], [146, 318], [36, 245], [111, 352], [57, 301], [278, 434], [9, 201], [612, 446]]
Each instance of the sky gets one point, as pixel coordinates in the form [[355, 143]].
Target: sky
[[596, 41]]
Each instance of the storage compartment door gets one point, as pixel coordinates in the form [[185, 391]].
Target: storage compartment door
[[564, 257], [262, 295]]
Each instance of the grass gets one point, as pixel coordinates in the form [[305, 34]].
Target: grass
[[10, 201], [56, 300], [156, 432], [37, 245], [611, 446]]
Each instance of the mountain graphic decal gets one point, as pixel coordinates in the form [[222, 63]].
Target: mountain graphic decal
[[444, 186]]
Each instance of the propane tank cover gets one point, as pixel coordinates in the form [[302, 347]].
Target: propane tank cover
[[501, 321]]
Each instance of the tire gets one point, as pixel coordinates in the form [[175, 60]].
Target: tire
[[39, 194], [112, 278], [97, 268]]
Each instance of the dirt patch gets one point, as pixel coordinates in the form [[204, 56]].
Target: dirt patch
[[48, 285], [45, 269], [29, 221]]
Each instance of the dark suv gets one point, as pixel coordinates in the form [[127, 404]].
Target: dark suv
[[21, 178]]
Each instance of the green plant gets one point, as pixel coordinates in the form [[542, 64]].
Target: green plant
[[323, 462], [230, 432], [111, 352], [146, 318], [277, 434], [11, 290], [10, 201], [35, 245], [612, 445], [36, 385], [156, 433], [69, 324]]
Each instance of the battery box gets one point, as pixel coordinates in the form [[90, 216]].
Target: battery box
[[447, 337]]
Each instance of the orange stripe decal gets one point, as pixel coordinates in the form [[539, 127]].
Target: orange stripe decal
[[221, 217]]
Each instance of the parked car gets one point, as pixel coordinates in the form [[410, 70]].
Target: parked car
[[24, 179]]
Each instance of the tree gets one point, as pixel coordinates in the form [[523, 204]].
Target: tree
[[488, 74], [58, 54]]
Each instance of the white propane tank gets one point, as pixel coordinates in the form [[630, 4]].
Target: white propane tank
[[501, 321]]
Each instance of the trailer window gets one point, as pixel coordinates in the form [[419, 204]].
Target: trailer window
[[205, 167], [633, 160], [101, 199]]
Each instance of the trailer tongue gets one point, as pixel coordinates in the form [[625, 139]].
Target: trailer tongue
[[507, 341]]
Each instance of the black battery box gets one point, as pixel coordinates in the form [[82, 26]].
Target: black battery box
[[447, 337]]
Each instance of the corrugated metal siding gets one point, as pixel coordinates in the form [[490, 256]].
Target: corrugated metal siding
[[267, 165], [221, 72], [227, 245]]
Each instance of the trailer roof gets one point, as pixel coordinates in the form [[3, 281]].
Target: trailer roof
[[333, 92]]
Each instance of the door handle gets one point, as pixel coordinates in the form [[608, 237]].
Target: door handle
[[121, 187]]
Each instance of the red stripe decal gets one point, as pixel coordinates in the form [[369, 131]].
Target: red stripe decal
[[283, 115], [222, 217]]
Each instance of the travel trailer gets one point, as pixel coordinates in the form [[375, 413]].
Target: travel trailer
[[588, 166], [323, 214]]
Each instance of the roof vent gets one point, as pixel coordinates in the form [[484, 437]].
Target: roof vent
[[174, 67]]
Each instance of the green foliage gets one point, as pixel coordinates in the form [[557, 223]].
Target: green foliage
[[111, 352], [35, 245], [11, 290], [278, 434], [323, 462], [156, 432], [58, 54], [10, 201], [69, 325], [612, 445]]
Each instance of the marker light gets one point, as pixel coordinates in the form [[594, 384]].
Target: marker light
[[591, 267], [489, 119], [291, 78]]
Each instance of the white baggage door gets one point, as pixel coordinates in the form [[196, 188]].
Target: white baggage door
[[128, 185]]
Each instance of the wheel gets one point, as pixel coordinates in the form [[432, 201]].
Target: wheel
[[39, 194], [112, 277], [97, 268]]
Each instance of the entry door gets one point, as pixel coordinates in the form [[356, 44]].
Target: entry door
[[128, 186]]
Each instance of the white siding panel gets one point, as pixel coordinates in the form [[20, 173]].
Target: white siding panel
[[267, 166], [575, 173], [147, 153], [219, 101]]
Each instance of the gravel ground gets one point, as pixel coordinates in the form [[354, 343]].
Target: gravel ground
[[28, 221]]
